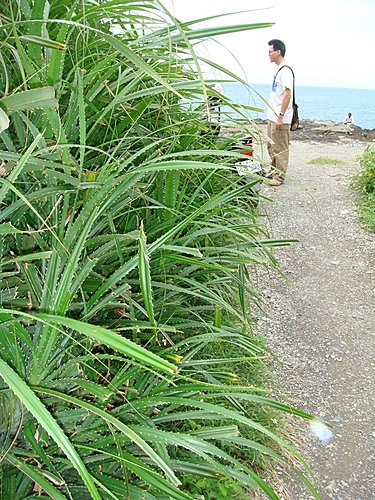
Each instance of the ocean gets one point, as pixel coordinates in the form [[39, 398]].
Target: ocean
[[315, 103]]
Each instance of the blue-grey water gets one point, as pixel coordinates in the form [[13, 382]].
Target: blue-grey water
[[315, 103]]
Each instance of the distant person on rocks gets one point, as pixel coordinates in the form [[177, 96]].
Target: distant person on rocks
[[279, 113], [348, 119]]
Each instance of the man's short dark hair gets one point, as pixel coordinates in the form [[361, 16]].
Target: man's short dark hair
[[278, 45]]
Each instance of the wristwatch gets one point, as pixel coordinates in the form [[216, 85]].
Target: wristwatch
[[281, 114]]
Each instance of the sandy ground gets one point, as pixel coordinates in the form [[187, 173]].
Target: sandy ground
[[320, 320]]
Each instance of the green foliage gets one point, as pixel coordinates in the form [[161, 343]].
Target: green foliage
[[364, 181], [125, 247], [366, 211], [214, 488], [325, 161]]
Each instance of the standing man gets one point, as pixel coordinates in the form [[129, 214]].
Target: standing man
[[279, 113]]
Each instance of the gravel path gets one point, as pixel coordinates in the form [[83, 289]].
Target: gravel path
[[321, 320]]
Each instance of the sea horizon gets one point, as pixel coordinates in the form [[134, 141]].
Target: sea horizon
[[315, 103], [314, 86]]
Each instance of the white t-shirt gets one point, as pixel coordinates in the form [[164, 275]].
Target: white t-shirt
[[282, 80]]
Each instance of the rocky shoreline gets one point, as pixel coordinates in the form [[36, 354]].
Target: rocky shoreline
[[328, 131]]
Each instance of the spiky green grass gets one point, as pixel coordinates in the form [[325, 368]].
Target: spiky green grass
[[125, 247]]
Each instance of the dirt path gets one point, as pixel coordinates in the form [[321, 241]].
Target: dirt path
[[321, 323]]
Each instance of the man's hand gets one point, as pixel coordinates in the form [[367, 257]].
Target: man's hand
[[279, 122]]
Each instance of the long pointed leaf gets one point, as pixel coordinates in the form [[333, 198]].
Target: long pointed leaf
[[145, 276], [107, 337], [31, 99]]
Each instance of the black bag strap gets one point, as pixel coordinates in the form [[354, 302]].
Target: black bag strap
[[286, 66]]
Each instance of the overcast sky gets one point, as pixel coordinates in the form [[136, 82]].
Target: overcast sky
[[331, 43]]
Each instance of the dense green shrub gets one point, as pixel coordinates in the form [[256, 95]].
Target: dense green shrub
[[365, 183]]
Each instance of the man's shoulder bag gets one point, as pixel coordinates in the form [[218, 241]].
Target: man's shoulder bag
[[295, 118]]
